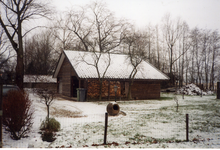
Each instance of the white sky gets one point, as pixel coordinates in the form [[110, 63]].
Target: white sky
[[201, 13]]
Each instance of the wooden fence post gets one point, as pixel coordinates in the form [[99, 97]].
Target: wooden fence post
[[106, 125], [187, 127], [218, 90], [1, 110]]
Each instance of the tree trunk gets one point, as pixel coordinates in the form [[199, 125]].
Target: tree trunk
[[187, 67], [20, 63], [192, 71], [171, 65], [158, 49], [129, 96], [183, 63], [100, 90], [48, 112], [212, 70]]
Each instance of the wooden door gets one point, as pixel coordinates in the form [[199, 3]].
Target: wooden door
[[74, 86]]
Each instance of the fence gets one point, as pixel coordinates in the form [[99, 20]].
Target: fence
[[136, 129]]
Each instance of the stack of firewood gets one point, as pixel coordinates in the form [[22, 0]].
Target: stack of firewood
[[107, 90], [93, 89]]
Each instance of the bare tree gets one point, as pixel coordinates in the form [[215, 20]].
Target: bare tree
[[101, 63], [11, 20], [97, 31], [4, 57], [196, 55], [137, 45], [150, 40], [185, 47], [205, 47], [64, 34], [47, 97], [96, 28], [46, 94], [158, 47], [171, 31], [78, 23], [215, 46]]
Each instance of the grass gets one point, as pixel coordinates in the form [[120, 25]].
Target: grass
[[166, 98], [59, 112], [152, 122]]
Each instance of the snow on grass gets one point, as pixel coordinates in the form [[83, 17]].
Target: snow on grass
[[147, 124]]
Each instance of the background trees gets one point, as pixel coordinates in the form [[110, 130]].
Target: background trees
[[40, 54], [13, 15], [186, 54]]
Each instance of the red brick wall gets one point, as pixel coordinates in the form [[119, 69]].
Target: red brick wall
[[145, 90], [139, 89]]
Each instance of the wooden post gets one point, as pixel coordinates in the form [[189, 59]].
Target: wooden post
[[218, 90], [106, 125], [187, 127], [1, 111]]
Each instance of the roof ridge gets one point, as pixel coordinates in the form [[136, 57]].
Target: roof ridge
[[99, 52], [120, 66]]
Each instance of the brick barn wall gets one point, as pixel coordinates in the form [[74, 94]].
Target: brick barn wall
[[139, 89], [145, 90]]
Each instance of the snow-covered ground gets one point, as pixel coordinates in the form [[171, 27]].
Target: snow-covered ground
[[147, 124]]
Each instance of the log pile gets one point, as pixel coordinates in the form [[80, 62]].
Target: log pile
[[107, 88]]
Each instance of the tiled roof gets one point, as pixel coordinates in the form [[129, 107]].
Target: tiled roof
[[120, 66]]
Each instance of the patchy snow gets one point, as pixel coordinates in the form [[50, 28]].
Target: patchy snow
[[192, 89], [120, 66], [147, 124]]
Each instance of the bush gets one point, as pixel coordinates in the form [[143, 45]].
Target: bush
[[48, 136], [51, 125], [17, 114]]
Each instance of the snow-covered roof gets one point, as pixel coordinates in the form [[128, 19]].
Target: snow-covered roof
[[120, 66], [39, 79]]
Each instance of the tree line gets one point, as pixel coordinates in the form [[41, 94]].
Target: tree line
[[186, 55]]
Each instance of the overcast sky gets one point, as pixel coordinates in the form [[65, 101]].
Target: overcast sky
[[201, 13]]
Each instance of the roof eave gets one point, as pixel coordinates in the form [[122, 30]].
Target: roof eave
[[59, 64]]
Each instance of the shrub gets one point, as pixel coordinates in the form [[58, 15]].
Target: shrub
[[17, 114], [52, 125], [48, 136]]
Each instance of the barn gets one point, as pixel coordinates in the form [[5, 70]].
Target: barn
[[80, 69]]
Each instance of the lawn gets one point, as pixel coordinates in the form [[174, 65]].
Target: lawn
[[147, 124]]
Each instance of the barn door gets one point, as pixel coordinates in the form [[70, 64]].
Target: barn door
[[60, 86], [74, 86]]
